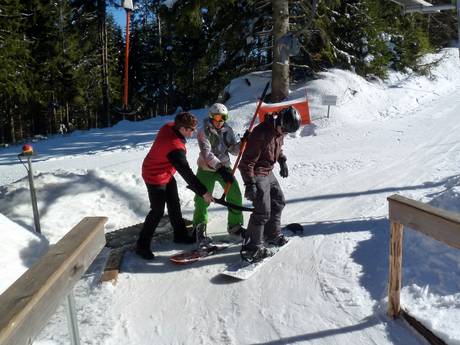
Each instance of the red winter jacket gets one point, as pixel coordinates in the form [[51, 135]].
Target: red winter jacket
[[156, 168]]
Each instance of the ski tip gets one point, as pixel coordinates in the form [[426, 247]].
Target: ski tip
[[232, 276]]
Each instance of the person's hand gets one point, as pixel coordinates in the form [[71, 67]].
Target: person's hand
[[250, 192], [226, 174], [245, 135], [208, 197], [284, 172], [244, 138]]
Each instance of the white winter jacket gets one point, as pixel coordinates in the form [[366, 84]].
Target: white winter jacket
[[215, 146]]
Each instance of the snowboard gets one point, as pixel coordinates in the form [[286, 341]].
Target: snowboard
[[243, 270], [190, 256]]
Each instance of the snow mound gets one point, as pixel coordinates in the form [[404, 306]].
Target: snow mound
[[20, 248]]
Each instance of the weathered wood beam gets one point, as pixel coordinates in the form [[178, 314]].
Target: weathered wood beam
[[439, 224], [395, 277], [27, 305]]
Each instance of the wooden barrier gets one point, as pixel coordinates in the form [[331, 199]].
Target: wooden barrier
[[27, 305], [436, 223]]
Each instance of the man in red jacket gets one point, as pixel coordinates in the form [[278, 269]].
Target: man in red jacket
[[166, 156]]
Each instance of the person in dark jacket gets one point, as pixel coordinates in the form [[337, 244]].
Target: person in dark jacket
[[166, 156], [264, 149]]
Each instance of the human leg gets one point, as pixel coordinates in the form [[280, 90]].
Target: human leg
[[208, 179], [272, 229], [156, 195], [261, 213], [234, 217], [175, 213]]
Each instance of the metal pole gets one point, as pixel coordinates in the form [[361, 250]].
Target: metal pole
[[427, 9], [125, 81], [458, 25], [328, 108], [33, 196], [72, 319]]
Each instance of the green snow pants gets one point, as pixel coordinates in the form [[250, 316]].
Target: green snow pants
[[209, 178]]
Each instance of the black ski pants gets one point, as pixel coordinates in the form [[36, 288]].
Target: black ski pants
[[265, 220], [159, 195]]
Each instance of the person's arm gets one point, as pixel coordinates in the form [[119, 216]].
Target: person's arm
[[179, 161], [250, 157], [284, 171], [233, 144]]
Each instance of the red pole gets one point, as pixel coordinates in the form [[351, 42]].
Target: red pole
[[125, 81], [245, 141]]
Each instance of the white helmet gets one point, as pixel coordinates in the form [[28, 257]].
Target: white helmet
[[218, 109]]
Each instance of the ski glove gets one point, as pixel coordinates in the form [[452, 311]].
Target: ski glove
[[284, 172], [244, 138], [251, 191], [226, 174]]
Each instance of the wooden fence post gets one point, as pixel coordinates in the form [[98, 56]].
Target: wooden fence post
[[394, 285]]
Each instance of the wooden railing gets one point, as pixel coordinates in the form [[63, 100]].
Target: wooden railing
[[436, 223], [27, 305]]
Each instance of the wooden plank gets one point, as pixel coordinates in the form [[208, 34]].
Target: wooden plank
[[394, 285], [421, 329], [124, 239], [27, 305], [439, 224], [113, 264]]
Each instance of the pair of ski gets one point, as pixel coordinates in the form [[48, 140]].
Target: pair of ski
[[240, 269]]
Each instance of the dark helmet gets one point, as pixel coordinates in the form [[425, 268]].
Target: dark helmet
[[289, 120]]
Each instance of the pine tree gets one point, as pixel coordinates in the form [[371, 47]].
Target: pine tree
[[14, 67]]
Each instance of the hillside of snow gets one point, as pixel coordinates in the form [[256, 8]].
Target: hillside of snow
[[399, 136]]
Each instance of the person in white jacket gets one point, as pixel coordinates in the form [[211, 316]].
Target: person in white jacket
[[216, 140]]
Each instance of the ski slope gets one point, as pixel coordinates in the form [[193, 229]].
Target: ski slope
[[400, 136]]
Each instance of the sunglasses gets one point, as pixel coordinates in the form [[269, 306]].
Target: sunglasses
[[219, 117], [191, 129]]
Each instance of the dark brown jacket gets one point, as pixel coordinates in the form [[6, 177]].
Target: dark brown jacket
[[263, 150]]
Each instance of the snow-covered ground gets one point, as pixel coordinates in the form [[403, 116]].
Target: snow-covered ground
[[399, 136]]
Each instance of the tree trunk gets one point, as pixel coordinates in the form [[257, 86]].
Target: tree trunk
[[101, 4], [20, 129], [12, 129], [280, 65]]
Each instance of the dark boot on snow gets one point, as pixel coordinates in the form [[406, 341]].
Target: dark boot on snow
[[237, 231], [183, 237], [254, 254], [144, 251], [278, 241]]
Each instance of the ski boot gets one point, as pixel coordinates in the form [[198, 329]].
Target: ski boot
[[278, 241], [236, 231], [253, 254]]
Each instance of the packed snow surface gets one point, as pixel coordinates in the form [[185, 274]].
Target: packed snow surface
[[399, 136]]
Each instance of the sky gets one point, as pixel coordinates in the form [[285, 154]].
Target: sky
[[119, 13], [398, 136]]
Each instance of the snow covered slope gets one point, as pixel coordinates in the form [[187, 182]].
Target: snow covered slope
[[400, 136]]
